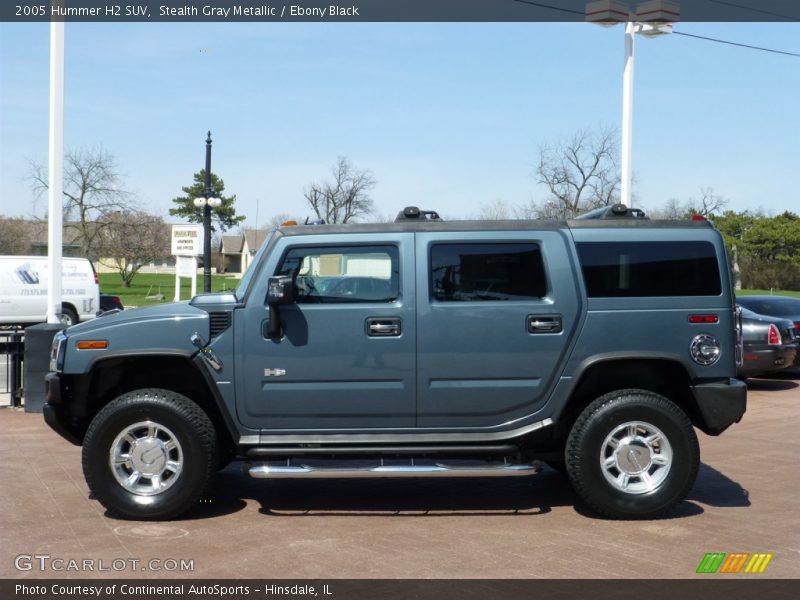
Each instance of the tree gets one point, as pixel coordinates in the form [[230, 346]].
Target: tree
[[580, 173], [708, 204], [15, 235], [224, 215], [131, 239], [496, 210], [768, 248], [92, 190], [344, 199]]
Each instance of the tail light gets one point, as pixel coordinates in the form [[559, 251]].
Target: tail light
[[774, 337]]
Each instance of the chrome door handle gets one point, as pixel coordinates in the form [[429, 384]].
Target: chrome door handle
[[544, 324], [377, 327]]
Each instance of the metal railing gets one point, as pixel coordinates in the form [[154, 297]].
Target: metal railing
[[12, 352]]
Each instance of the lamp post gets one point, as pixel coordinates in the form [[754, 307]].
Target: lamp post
[[208, 202], [650, 19]]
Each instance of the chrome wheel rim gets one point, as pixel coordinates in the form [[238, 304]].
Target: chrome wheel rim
[[146, 458], [636, 457]]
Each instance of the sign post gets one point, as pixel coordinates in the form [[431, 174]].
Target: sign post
[[187, 244]]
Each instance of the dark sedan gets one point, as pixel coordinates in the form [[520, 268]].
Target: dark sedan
[[110, 302], [770, 344], [784, 307]]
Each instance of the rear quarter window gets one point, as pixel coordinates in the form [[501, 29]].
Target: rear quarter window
[[641, 269]]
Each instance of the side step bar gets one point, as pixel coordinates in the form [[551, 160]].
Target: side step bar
[[338, 470]]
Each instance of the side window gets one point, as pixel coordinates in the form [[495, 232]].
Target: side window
[[641, 269], [487, 272], [343, 274]]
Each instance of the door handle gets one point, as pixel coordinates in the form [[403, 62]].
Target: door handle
[[544, 324], [378, 327]]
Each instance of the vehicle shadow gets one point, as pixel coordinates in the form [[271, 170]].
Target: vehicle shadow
[[415, 498], [776, 382], [716, 489]]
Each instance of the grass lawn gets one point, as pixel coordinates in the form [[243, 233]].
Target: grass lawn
[[145, 284], [768, 292]]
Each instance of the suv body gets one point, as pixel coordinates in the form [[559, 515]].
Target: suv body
[[461, 349]]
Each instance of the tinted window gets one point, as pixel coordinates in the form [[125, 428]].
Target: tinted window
[[618, 269], [470, 272], [343, 274]]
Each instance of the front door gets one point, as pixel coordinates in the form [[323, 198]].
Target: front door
[[346, 359]]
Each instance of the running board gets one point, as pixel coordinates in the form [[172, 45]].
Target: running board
[[379, 469]]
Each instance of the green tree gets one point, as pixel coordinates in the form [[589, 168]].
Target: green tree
[[768, 247], [224, 215]]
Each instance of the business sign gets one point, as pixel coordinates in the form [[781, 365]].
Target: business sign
[[187, 240]]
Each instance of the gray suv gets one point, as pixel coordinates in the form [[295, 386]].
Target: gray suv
[[419, 348]]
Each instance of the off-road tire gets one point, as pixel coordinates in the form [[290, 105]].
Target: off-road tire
[[588, 447], [170, 412]]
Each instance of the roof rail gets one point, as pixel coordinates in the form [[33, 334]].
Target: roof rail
[[412, 213], [614, 211]]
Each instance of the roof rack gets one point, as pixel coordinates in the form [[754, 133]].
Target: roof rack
[[412, 213], [614, 211]]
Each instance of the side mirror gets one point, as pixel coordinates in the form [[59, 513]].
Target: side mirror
[[280, 290]]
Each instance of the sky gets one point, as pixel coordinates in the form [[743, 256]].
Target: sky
[[449, 117]]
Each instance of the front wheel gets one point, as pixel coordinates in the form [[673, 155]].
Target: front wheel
[[149, 454], [632, 454], [68, 316]]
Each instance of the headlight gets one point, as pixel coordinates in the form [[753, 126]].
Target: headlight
[[57, 351]]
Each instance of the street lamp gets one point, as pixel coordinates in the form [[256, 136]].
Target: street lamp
[[207, 201], [650, 19]]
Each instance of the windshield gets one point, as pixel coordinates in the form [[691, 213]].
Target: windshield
[[248, 276]]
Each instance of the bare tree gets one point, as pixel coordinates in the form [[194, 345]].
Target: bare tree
[[496, 210], [92, 190], [707, 204], [580, 173], [344, 199], [131, 239], [16, 235]]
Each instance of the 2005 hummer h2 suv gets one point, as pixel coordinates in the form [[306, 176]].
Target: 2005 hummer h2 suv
[[419, 348]]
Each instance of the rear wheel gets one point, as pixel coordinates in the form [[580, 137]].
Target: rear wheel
[[632, 454], [149, 454]]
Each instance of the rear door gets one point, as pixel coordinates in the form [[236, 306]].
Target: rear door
[[347, 357], [496, 311]]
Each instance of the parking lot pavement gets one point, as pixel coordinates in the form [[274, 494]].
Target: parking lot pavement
[[745, 500]]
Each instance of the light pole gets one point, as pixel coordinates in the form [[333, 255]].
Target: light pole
[[650, 19], [207, 201]]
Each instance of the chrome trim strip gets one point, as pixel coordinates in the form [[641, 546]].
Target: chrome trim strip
[[409, 436]]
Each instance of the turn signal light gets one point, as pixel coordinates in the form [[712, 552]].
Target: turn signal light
[[92, 345]]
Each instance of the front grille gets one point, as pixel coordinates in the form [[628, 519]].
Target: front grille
[[220, 321]]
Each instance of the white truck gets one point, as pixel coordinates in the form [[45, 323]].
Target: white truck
[[23, 290]]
